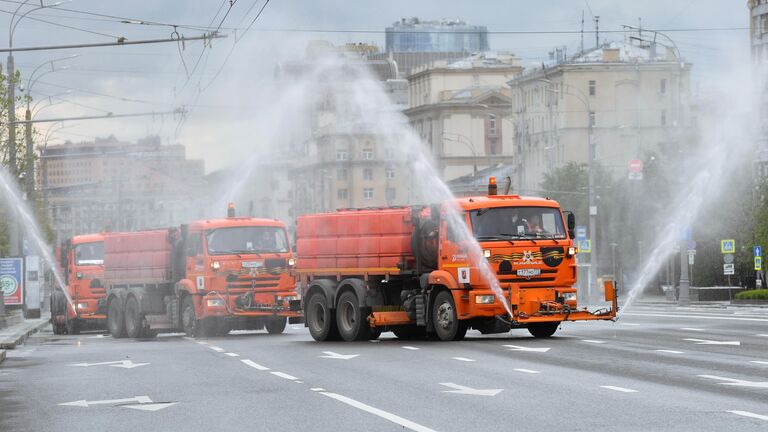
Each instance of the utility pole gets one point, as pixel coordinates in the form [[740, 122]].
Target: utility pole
[[592, 207], [13, 226], [685, 297]]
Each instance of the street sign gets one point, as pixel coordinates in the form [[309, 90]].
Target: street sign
[[728, 246], [691, 257], [635, 166], [758, 251], [758, 263], [635, 176], [729, 269], [691, 244], [11, 280], [585, 246], [728, 258], [581, 232]]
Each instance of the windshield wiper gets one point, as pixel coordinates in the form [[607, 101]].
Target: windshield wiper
[[481, 238], [525, 236]]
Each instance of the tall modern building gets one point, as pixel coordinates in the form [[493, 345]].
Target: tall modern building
[[758, 24], [414, 35]]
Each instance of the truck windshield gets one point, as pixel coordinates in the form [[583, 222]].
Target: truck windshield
[[246, 240], [517, 223], [89, 254]]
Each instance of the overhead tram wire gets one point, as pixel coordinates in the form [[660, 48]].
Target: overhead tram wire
[[34, 18]]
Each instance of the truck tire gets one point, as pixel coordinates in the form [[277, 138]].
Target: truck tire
[[189, 321], [115, 319], [409, 332], [57, 310], [320, 318], [375, 333], [543, 330], [448, 327], [133, 319], [276, 325], [351, 319]]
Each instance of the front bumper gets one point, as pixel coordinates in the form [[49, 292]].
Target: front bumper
[[215, 305]]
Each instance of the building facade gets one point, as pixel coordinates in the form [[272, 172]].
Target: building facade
[[461, 112], [110, 185], [758, 25], [630, 99], [415, 35]]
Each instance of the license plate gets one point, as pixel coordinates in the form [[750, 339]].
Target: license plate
[[528, 272], [252, 264]]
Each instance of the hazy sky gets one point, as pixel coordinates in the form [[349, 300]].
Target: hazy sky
[[225, 99]]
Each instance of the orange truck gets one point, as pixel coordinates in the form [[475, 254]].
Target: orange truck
[[205, 278], [81, 261], [418, 270]]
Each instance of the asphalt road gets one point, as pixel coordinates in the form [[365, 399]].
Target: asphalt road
[[657, 368]]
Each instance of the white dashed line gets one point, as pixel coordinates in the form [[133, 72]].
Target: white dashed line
[[759, 362], [619, 389], [317, 389], [255, 365], [202, 342], [374, 341], [711, 317], [593, 341], [232, 354], [670, 351], [630, 324], [377, 412], [464, 359], [411, 348], [749, 414], [217, 349], [761, 335], [299, 382], [284, 376], [691, 329], [527, 371]]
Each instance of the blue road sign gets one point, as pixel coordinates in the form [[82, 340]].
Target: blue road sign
[[728, 246], [758, 251], [585, 246], [581, 232]]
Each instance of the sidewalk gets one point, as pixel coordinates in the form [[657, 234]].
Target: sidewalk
[[17, 333]]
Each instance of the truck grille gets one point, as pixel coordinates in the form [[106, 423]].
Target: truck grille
[[260, 283]]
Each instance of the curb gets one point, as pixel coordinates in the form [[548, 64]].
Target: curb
[[15, 340]]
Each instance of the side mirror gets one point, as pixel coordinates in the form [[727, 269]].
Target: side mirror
[[571, 222]]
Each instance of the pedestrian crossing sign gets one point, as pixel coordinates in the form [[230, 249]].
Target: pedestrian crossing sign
[[585, 246], [758, 263], [728, 246]]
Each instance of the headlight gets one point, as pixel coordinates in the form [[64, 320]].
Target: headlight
[[487, 253], [215, 265], [571, 251], [291, 262], [215, 302], [485, 299], [82, 305], [571, 296]]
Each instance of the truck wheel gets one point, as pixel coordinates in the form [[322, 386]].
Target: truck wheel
[[189, 322], [276, 325], [409, 332], [115, 320], [543, 330], [133, 320], [56, 310], [448, 327], [350, 318], [375, 333], [320, 319]]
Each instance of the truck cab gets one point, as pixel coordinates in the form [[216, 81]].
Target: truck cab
[[81, 259]]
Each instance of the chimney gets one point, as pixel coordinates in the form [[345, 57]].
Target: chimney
[[671, 55], [611, 55]]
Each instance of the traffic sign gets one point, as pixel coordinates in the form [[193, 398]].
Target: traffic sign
[[758, 251], [758, 263], [635, 166], [581, 232], [585, 246], [691, 244], [728, 258], [728, 246], [728, 269], [691, 257]]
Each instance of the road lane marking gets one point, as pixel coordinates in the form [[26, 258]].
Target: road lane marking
[[759, 362], [692, 329], [593, 341], [125, 364], [232, 354], [217, 349], [374, 341], [411, 348], [317, 389], [529, 349], [337, 356], [619, 389], [284, 376], [99, 336], [255, 365], [527, 371], [630, 324], [463, 359], [202, 342], [749, 414], [737, 382], [762, 335], [460, 389], [86, 404], [671, 351], [149, 406], [712, 342], [697, 316], [380, 413]]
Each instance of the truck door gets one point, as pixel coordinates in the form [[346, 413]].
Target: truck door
[[195, 261]]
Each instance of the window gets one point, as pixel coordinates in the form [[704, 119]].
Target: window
[[391, 195], [491, 125], [367, 154], [592, 119], [663, 117], [368, 193], [592, 87], [663, 86], [341, 174], [390, 173], [342, 194], [368, 174], [341, 155]]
